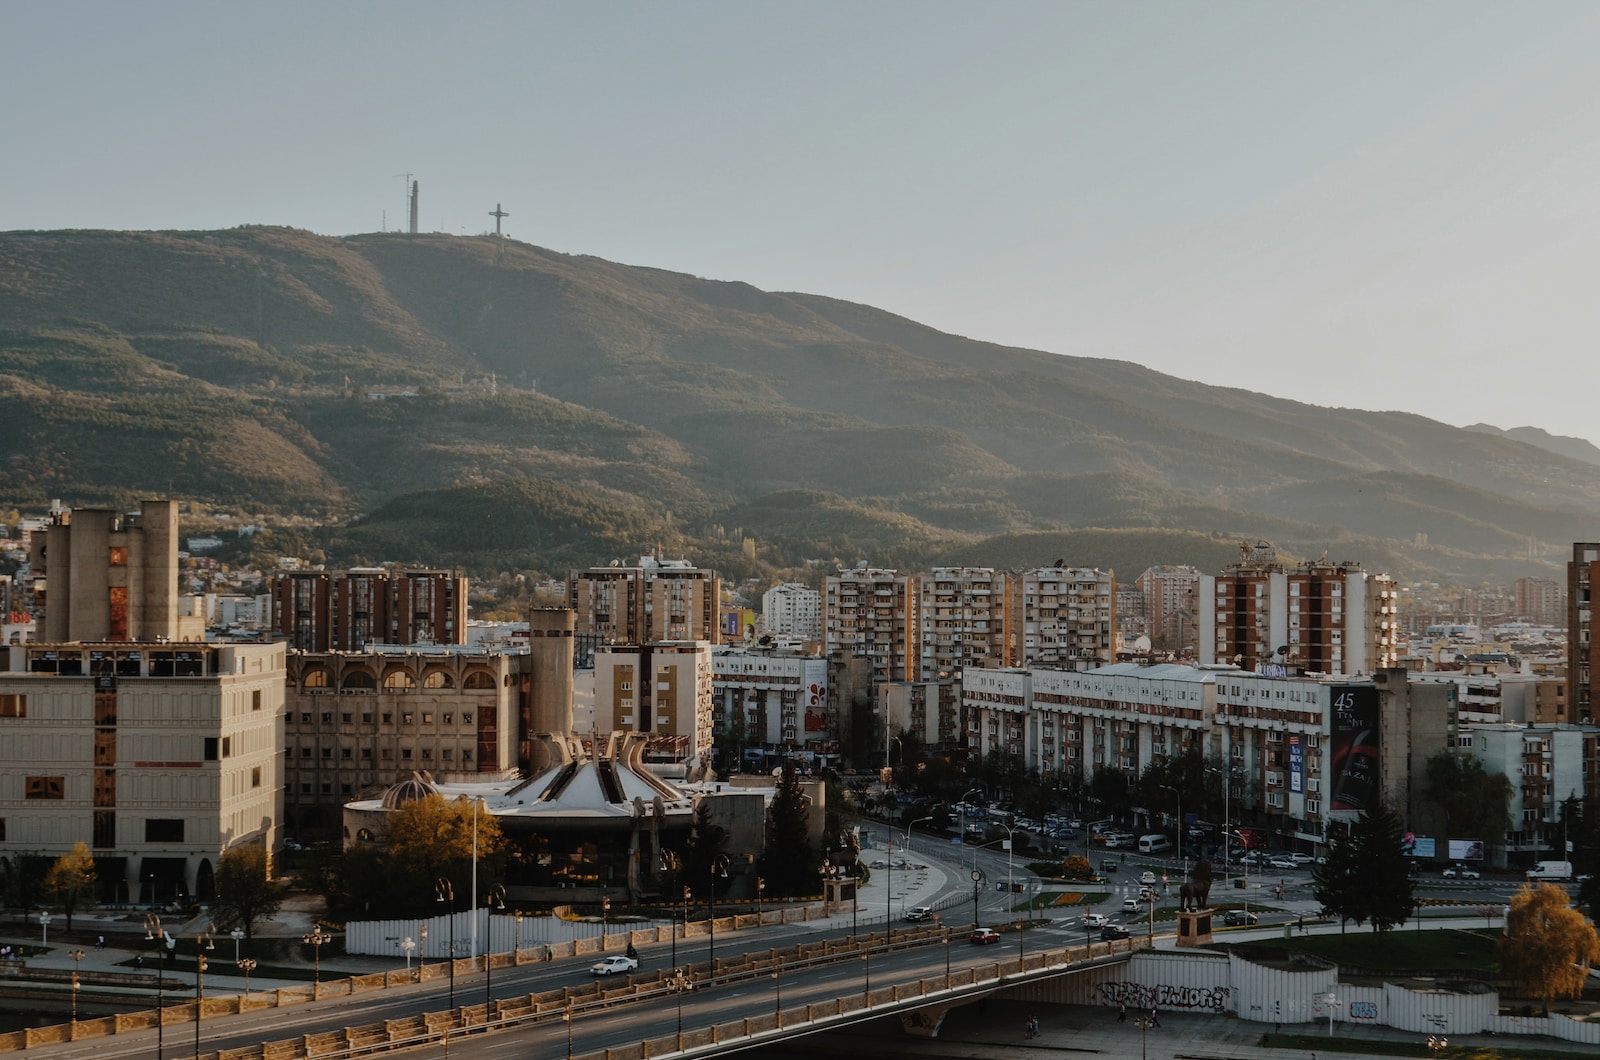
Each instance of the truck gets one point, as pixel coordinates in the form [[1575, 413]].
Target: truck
[[1551, 870]]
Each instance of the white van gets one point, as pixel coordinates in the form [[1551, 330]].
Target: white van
[[1154, 844], [1551, 870]]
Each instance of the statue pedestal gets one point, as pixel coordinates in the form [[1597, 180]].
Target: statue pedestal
[[1194, 927], [837, 892]]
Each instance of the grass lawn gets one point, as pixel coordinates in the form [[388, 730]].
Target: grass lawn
[[1399, 952]]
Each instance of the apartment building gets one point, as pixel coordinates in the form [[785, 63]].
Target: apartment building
[[793, 610], [349, 610], [1546, 765], [873, 613], [1170, 597], [961, 619], [355, 722], [1583, 650], [1062, 616], [160, 756], [663, 689], [929, 710], [1542, 601], [1328, 618], [654, 601], [771, 702], [101, 574]]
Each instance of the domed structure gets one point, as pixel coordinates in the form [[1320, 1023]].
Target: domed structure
[[417, 786]]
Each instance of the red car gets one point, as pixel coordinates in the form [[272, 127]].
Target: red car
[[983, 936]]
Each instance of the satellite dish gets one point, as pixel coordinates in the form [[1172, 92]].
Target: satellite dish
[[1141, 643]]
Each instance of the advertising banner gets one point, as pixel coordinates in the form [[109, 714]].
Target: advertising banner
[[1297, 764], [1466, 850], [1354, 758]]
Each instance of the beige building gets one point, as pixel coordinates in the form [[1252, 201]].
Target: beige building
[[873, 613], [107, 575], [159, 756], [1170, 593], [1065, 616], [962, 619], [356, 722], [654, 601], [664, 689]]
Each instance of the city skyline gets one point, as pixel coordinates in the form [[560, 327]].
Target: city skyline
[[1359, 205]]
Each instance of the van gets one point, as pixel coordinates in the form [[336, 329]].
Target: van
[[1154, 844], [1551, 870]]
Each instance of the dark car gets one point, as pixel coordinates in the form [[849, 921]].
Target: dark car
[[1108, 866], [1238, 917], [1110, 933]]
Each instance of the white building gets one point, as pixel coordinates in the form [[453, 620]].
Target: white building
[[792, 609], [663, 689], [773, 701]]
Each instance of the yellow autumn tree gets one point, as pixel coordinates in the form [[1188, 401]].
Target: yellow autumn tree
[[433, 837], [71, 880], [1548, 947]]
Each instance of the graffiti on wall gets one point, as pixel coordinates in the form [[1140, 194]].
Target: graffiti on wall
[[1138, 995]]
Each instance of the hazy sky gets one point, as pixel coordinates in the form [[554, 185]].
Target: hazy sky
[[1381, 205]]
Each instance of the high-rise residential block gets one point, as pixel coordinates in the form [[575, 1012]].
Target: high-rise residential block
[[962, 619], [656, 600], [1583, 653], [664, 690], [361, 608], [792, 609], [1170, 599], [872, 613], [1062, 616]]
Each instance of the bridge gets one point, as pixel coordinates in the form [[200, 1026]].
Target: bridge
[[691, 1011]]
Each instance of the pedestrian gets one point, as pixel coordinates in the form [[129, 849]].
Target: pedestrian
[[1302, 923], [1033, 1026], [100, 942], [1027, 1029], [1122, 1012], [1155, 1021], [138, 960]]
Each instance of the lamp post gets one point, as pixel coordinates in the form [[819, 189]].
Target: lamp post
[[315, 940], [236, 935], [888, 912], [761, 890], [422, 949], [202, 942], [44, 928], [77, 957], [495, 899], [777, 975], [678, 983], [1178, 795], [446, 895], [248, 965], [964, 804], [1144, 1023], [1333, 1006], [408, 944], [566, 1014], [516, 915], [687, 894], [605, 915], [1227, 810], [719, 869], [152, 931]]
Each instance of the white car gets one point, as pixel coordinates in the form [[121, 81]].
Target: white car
[[1147, 877], [1461, 872], [1282, 862], [1302, 859], [614, 965], [1095, 920]]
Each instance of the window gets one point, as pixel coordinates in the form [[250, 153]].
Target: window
[[327, 717], [388, 718], [255, 777], [210, 751], [446, 754], [346, 716], [305, 717], [438, 679], [407, 718], [255, 699], [385, 754], [449, 719], [398, 679], [366, 752], [366, 717], [316, 679], [346, 753], [478, 680], [45, 788], [227, 746], [119, 555], [305, 752], [14, 705], [466, 756], [427, 753], [163, 830], [327, 752], [360, 679], [466, 719], [405, 754], [305, 787]]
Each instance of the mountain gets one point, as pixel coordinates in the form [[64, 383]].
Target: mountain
[[1564, 444], [475, 400]]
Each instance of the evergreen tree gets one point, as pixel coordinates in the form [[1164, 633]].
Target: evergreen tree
[[789, 862], [1387, 895], [707, 842], [1337, 883], [1476, 804]]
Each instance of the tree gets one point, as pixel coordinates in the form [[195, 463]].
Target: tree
[[789, 863], [245, 892], [1548, 947], [1366, 877], [1077, 867], [1475, 803], [430, 838], [71, 880], [707, 842]]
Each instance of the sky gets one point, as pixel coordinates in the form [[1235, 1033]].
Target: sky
[[1374, 205]]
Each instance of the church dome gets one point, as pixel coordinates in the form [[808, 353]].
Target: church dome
[[417, 786]]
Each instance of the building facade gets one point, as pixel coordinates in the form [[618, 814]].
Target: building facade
[[1170, 595], [655, 601], [349, 610], [106, 575], [793, 610], [664, 690], [159, 756], [1062, 616], [1583, 651], [770, 703], [873, 613], [961, 620]]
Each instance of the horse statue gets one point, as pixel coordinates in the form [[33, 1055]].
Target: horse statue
[[1194, 895]]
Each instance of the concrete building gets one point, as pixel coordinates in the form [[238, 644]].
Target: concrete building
[[929, 710], [1546, 765], [1328, 618], [1170, 595], [769, 704], [1583, 650], [873, 613], [356, 722], [961, 620], [663, 691], [348, 610], [159, 756], [105, 575], [655, 601], [1063, 616], [794, 610], [1541, 601]]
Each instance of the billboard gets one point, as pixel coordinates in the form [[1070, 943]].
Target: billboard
[[1417, 846], [1297, 764], [1466, 850], [814, 694], [1354, 758]]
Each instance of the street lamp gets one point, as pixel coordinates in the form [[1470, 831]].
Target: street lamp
[[964, 805], [44, 928], [152, 932], [1178, 795], [567, 1015], [236, 934], [1227, 810], [777, 975], [1333, 1006], [422, 949], [687, 894], [248, 965], [678, 983], [77, 956], [888, 898], [1144, 1023], [495, 899], [446, 895], [202, 942], [605, 915], [761, 889], [718, 869], [315, 940], [408, 944]]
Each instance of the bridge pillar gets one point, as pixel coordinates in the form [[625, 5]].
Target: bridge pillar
[[925, 1022]]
